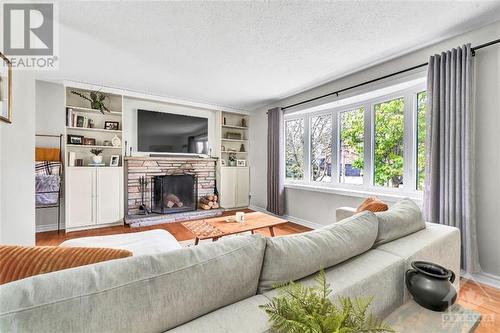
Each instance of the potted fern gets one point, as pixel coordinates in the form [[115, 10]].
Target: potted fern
[[299, 309]]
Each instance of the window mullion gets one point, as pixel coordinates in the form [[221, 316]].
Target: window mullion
[[368, 145], [307, 149], [335, 149], [408, 143]]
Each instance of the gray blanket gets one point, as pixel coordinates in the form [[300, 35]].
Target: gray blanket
[[47, 189]]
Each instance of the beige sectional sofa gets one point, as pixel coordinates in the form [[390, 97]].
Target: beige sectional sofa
[[217, 287]]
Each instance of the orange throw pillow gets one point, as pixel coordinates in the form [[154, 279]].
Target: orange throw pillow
[[372, 204], [19, 262]]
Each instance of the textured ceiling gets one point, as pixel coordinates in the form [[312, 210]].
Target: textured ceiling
[[246, 54]]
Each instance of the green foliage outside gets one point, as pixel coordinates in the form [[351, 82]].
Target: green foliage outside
[[294, 149], [421, 110], [352, 134], [299, 309]]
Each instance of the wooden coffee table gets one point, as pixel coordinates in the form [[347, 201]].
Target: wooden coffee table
[[216, 228]]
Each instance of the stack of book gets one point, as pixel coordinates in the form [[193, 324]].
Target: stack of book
[[75, 120]]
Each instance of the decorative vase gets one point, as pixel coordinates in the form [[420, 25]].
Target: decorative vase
[[431, 285], [116, 141], [97, 159], [232, 163]]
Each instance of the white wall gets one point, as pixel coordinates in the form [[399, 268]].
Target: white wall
[[49, 119], [17, 172], [131, 105], [319, 208]]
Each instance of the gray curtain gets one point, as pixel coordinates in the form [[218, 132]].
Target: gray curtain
[[449, 182], [275, 162]]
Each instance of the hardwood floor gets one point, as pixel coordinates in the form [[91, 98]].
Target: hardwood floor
[[51, 238], [475, 296]]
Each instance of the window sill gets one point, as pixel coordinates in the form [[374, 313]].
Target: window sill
[[359, 193]]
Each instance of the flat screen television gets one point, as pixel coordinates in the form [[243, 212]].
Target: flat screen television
[[160, 132]]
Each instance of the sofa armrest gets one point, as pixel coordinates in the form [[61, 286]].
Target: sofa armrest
[[344, 212]]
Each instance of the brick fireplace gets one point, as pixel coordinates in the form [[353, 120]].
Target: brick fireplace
[[202, 168]]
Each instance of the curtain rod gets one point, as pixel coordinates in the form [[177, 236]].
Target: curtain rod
[[474, 49]]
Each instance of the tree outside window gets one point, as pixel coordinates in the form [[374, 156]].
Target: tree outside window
[[352, 136], [421, 110], [389, 135], [294, 149], [321, 148]]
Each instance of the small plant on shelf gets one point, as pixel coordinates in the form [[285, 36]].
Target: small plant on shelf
[[309, 309], [232, 159], [97, 158], [96, 99]]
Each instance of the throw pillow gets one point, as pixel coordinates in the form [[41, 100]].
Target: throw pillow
[[372, 204], [404, 218], [19, 262]]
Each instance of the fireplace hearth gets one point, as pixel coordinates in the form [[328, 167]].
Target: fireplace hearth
[[174, 193]]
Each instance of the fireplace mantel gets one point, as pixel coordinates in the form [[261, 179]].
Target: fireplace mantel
[[166, 157]]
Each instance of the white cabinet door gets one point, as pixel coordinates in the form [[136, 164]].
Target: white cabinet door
[[109, 201], [80, 195], [228, 187], [242, 187]]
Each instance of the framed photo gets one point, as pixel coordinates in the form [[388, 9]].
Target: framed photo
[[5, 89], [75, 139], [241, 163], [223, 163], [89, 141], [111, 125], [114, 161]]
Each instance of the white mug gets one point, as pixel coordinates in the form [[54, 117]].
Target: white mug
[[240, 217]]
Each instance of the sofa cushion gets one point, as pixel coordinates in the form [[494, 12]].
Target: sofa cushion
[[150, 293], [373, 273], [402, 219], [436, 243], [243, 317], [293, 257]]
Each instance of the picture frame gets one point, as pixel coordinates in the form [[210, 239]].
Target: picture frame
[[223, 163], [75, 139], [114, 161], [5, 89], [112, 125], [89, 141], [241, 163]]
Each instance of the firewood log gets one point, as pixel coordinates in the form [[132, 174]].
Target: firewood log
[[206, 201], [210, 197], [172, 197], [216, 198], [180, 204], [203, 206], [170, 204], [215, 205]]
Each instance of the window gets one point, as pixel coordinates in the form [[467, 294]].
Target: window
[[389, 136], [352, 133], [372, 142], [294, 150], [421, 110], [321, 148]]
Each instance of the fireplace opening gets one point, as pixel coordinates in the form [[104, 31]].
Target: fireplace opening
[[174, 194]]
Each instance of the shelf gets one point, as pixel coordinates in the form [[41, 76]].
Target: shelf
[[235, 127], [234, 152], [92, 146], [88, 110], [92, 129], [234, 140]]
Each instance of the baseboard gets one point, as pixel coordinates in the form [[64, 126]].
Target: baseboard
[[46, 227], [486, 278], [293, 219]]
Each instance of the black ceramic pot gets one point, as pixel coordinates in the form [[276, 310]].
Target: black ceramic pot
[[431, 285]]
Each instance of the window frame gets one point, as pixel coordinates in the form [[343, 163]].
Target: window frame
[[410, 140]]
